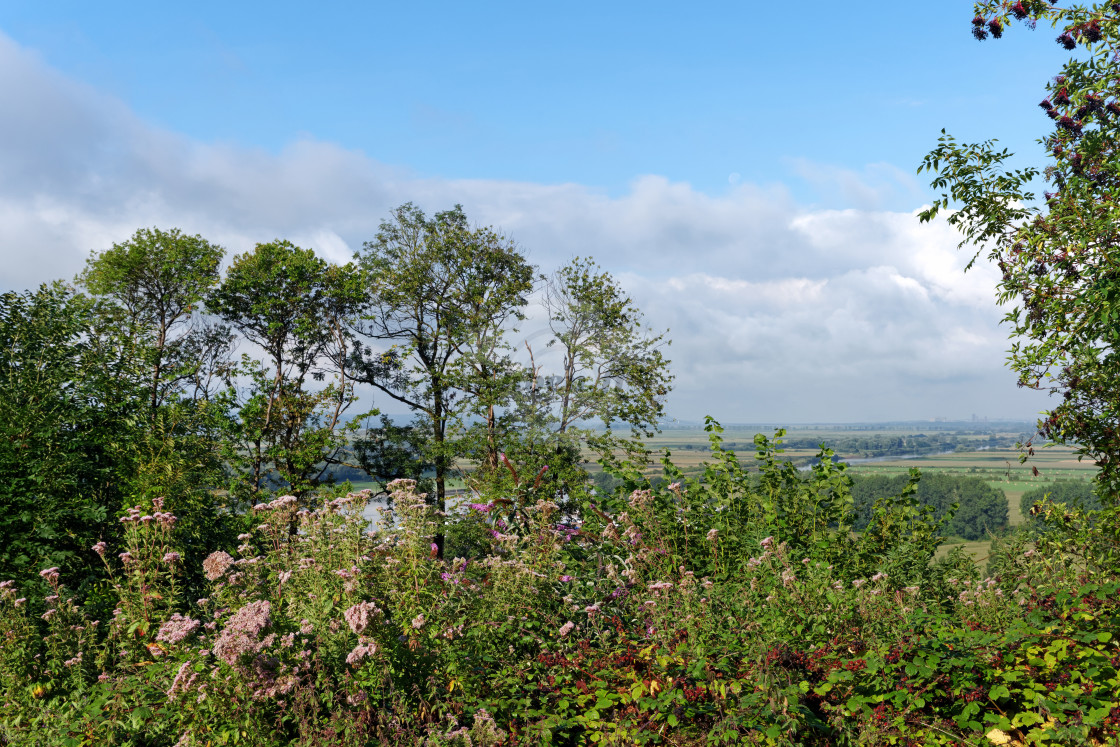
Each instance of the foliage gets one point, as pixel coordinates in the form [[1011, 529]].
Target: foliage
[[1058, 257], [1074, 493], [391, 452], [159, 278], [443, 296], [971, 508], [69, 428], [668, 617], [298, 309]]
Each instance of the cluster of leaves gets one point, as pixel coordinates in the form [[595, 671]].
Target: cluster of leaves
[[1058, 255]]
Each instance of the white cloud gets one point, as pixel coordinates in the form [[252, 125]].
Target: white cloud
[[777, 311]]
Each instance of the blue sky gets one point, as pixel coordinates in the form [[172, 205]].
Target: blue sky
[[746, 170]]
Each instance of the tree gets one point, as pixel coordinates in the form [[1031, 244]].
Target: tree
[[612, 370], [444, 295], [69, 413], [159, 278], [297, 308], [1060, 258]]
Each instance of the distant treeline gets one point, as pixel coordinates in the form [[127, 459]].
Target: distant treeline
[[982, 508], [883, 444], [1073, 493]]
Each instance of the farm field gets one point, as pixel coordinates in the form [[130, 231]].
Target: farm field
[[975, 455]]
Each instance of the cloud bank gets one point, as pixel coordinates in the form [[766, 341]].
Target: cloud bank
[[778, 312]]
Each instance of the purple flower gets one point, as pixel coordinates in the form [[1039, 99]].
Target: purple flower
[[566, 628], [177, 628], [242, 632], [100, 548], [361, 651], [359, 616], [171, 557], [216, 564], [565, 579], [50, 574]]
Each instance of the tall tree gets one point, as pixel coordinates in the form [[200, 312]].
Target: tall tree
[[1060, 258], [608, 369], [72, 406], [444, 294], [159, 278], [297, 308], [613, 368]]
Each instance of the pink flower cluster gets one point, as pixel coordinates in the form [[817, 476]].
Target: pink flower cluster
[[177, 628], [361, 651], [183, 681], [216, 564], [360, 616], [242, 632]]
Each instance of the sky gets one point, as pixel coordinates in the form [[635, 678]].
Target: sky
[[745, 171]]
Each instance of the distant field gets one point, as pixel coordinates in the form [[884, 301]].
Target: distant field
[[999, 467]]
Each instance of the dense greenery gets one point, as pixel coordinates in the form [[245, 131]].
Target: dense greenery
[[968, 507], [737, 608]]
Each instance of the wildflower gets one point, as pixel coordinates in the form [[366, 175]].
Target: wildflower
[[640, 498], [171, 557], [713, 535], [183, 681], [242, 632], [360, 652], [859, 582], [50, 574], [482, 508], [100, 548], [767, 542], [418, 622], [103, 677], [177, 628], [284, 576], [126, 557], [358, 616], [20, 602], [434, 550], [878, 577], [216, 564], [242, 537], [566, 579], [566, 628]]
